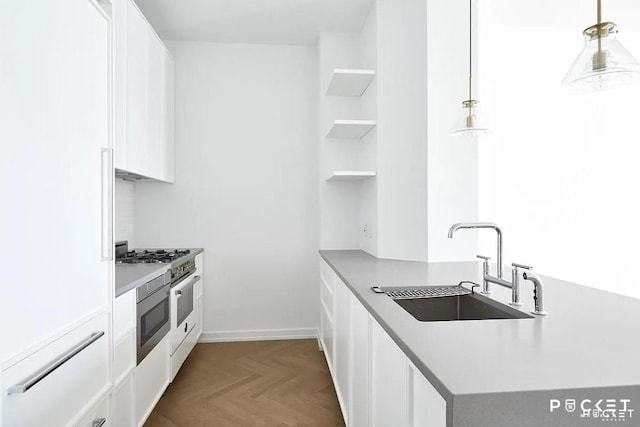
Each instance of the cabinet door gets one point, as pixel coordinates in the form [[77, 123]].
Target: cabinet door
[[426, 407], [152, 377], [388, 380], [57, 384], [341, 352], [137, 60], [54, 115], [122, 404], [358, 363], [155, 76], [168, 119], [120, 8]]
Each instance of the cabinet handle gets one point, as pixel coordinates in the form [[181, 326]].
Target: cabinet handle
[[98, 422], [34, 379], [106, 161]]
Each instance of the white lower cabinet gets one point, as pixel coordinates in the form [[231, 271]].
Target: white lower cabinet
[[98, 416], [326, 336], [388, 380], [426, 407], [151, 379], [359, 363], [59, 383], [124, 361], [377, 385], [123, 411], [341, 343]]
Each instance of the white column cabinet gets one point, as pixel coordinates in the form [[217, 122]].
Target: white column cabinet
[[144, 97], [54, 176], [377, 385]]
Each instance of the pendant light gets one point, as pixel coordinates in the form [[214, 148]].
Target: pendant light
[[603, 63], [470, 122]]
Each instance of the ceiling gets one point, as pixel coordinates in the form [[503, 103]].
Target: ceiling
[[253, 21]]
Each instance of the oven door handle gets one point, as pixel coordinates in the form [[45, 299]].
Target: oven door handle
[[185, 287]]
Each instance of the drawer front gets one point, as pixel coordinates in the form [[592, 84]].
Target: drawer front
[[98, 416], [327, 337], [151, 380], [124, 356], [124, 314], [327, 276], [180, 355], [78, 369], [327, 299]]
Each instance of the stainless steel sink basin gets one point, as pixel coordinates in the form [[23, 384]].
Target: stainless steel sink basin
[[461, 307]]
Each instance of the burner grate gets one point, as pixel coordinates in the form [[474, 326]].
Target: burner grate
[[427, 292]]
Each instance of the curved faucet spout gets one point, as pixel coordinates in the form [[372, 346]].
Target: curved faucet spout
[[475, 225]]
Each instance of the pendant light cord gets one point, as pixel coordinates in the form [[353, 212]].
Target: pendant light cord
[[471, 47], [599, 25]]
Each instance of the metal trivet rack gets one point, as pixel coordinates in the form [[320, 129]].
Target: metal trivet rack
[[424, 292]]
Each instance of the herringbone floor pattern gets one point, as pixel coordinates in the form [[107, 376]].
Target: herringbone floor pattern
[[246, 384]]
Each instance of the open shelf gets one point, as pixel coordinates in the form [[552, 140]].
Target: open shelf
[[350, 129], [345, 82], [351, 175]]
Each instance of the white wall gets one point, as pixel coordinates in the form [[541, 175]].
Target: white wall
[[125, 211], [402, 129], [561, 170], [452, 161], [246, 185]]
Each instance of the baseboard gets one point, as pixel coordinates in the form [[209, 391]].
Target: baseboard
[[258, 335]]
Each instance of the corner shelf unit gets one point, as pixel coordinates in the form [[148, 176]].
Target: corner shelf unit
[[349, 82], [350, 129], [350, 175]]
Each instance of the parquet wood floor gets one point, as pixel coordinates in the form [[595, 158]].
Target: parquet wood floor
[[246, 384]]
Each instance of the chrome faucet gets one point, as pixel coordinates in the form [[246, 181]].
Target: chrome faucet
[[537, 293], [487, 278], [475, 225], [516, 272]]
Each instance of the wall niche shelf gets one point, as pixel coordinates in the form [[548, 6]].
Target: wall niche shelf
[[350, 129], [351, 175], [349, 82]]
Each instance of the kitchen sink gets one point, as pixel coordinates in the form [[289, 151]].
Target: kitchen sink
[[460, 307]]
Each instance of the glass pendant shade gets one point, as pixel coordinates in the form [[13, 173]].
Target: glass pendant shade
[[471, 122], [603, 64]]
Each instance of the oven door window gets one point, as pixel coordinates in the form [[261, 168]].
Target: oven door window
[[153, 320], [185, 303]]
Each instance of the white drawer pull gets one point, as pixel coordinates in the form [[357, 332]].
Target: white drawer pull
[[98, 422], [34, 379]]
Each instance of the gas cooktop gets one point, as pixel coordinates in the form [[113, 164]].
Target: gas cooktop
[[147, 256]]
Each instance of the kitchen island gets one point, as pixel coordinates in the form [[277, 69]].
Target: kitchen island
[[539, 371]]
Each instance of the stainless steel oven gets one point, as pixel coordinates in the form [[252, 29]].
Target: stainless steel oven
[[183, 317], [154, 314]]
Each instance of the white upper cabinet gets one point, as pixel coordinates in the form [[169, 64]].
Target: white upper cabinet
[[168, 119], [54, 178], [154, 106], [144, 97], [135, 144]]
